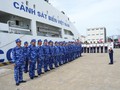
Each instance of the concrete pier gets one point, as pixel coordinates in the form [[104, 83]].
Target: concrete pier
[[90, 72]]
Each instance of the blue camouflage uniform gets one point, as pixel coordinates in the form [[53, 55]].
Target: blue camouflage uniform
[[26, 60], [67, 52], [80, 50], [18, 59], [46, 56], [61, 54], [32, 51], [56, 54], [70, 53], [52, 55], [40, 58], [64, 53], [76, 50]]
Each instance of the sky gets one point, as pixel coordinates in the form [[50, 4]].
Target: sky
[[91, 14]]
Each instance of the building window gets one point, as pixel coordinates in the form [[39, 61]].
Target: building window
[[88, 29], [47, 12], [46, 0], [17, 22], [88, 34], [93, 34], [38, 28], [34, 6], [27, 3]]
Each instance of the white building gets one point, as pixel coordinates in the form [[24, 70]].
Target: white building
[[82, 38], [96, 34]]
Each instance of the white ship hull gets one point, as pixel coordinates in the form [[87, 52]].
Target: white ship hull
[[31, 19]]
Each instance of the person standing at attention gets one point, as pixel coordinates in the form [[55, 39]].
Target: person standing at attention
[[18, 60]]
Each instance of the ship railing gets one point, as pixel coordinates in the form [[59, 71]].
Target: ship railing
[[68, 37], [19, 30], [47, 31]]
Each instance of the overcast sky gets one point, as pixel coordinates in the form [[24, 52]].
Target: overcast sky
[[92, 13]]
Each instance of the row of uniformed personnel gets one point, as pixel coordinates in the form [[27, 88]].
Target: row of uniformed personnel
[[95, 48], [48, 56]]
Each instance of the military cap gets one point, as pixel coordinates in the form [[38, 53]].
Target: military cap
[[45, 40], [33, 40], [17, 40], [25, 42], [39, 40]]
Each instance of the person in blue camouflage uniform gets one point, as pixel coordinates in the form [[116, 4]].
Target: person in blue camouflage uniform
[[46, 55], [61, 54], [67, 53], [40, 57], [56, 54], [70, 53], [76, 50], [26, 60], [80, 48], [52, 54], [18, 60], [32, 52], [64, 53], [73, 50]]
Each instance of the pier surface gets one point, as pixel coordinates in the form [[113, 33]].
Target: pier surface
[[89, 72]]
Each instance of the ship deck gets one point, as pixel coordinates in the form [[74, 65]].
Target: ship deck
[[90, 72]]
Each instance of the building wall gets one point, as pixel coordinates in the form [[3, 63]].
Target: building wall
[[82, 38], [96, 34]]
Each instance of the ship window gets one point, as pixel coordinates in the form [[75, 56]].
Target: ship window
[[26, 2], [17, 22], [68, 19], [46, 0], [48, 30], [38, 29], [67, 32], [62, 12], [65, 38], [34, 6]]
